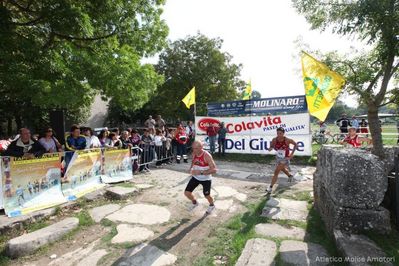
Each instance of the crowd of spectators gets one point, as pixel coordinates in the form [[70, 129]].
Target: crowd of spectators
[[154, 140]]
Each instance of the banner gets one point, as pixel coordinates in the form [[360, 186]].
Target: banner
[[1, 187], [31, 184], [288, 104], [83, 172], [117, 166], [253, 134]]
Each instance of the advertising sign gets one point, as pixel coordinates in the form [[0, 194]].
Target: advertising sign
[[117, 166], [287, 104], [83, 172], [31, 184]]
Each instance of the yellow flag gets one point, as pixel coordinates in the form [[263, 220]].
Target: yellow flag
[[189, 99], [248, 91], [322, 86]]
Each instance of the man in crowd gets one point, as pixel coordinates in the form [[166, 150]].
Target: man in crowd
[[181, 141], [281, 145], [150, 123], [222, 138], [355, 123], [25, 146], [212, 132], [75, 141], [343, 123], [202, 168], [354, 140], [190, 131], [160, 123]]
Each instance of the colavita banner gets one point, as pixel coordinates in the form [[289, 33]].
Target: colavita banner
[[117, 166], [31, 184], [288, 104], [253, 134], [83, 172]]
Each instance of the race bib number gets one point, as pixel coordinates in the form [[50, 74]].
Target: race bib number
[[280, 154]]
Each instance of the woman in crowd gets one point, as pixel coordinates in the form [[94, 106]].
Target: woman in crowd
[[159, 140], [113, 141], [135, 140], [103, 136], [91, 140], [49, 142]]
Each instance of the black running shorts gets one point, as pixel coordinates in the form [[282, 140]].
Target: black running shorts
[[193, 183]]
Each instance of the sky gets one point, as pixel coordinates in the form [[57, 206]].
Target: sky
[[259, 34]]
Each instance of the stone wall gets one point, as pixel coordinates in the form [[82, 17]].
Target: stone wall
[[349, 187]]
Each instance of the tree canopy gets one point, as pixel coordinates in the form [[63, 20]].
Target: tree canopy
[[372, 73], [193, 61], [59, 54]]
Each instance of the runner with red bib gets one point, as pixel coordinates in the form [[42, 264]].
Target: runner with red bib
[[281, 145], [202, 168], [354, 140]]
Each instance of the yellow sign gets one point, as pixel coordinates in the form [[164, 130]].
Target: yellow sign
[[322, 86], [248, 91]]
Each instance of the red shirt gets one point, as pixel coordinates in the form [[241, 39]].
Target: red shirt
[[353, 141], [181, 137], [212, 131], [282, 145]]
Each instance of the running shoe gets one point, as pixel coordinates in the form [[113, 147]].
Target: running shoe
[[193, 206], [290, 178], [269, 190], [210, 209]]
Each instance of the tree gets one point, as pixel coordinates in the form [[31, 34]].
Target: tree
[[369, 74], [194, 61], [59, 54]]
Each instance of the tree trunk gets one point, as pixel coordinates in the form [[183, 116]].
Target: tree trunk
[[18, 121], [375, 130]]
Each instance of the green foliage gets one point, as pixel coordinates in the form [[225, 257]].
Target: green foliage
[[371, 74], [61, 54], [194, 61]]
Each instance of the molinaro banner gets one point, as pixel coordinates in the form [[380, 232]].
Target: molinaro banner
[[253, 134], [287, 104]]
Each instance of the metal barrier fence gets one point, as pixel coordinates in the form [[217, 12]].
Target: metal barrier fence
[[145, 155]]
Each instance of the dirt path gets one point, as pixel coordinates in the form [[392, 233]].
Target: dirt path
[[184, 235]]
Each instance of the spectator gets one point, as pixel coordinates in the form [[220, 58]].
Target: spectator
[[147, 155], [91, 140], [135, 138], [159, 140], [113, 141], [25, 146], [75, 141], [124, 139], [168, 144], [190, 131], [102, 137], [222, 139], [364, 126], [182, 139], [355, 123], [354, 140], [343, 123], [150, 123], [160, 123], [323, 127], [152, 132], [212, 132], [49, 142]]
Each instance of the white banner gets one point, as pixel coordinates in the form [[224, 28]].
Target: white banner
[[253, 134], [258, 144], [295, 124]]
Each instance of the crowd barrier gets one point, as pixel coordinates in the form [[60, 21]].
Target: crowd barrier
[[33, 184]]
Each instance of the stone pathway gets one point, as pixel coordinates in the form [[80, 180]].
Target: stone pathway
[[98, 213], [141, 214], [278, 231], [84, 256], [132, 234], [300, 253], [29, 243], [258, 252], [146, 255], [285, 209]]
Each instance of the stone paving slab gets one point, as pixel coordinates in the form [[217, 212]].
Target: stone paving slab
[[225, 191], [302, 253], [146, 255], [129, 233], [360, 250], [285, 209], [98, 213], [276, 230], [29, 243], [95, 195], [71, 258], [258, 252], [120, 193], [141, 214], [93, 258], [143, 186]]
